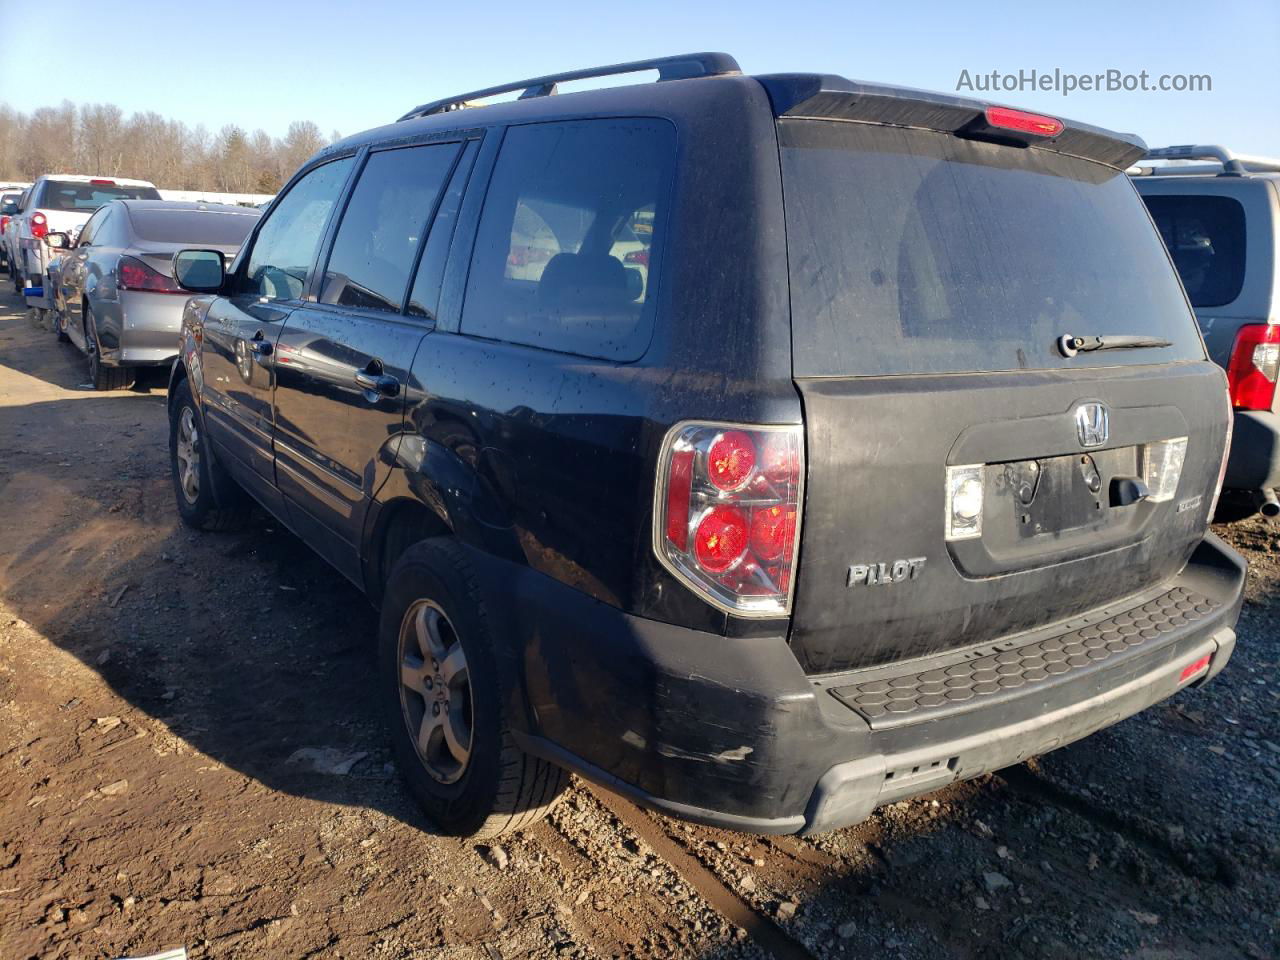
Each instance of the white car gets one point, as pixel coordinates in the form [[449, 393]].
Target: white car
[[59, 203]]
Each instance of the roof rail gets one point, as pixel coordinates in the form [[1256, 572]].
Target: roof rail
[[681, 67], [1233, 164]]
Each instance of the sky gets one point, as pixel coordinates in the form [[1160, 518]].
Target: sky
[[354, 65]]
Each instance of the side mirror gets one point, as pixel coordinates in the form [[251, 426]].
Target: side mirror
[[59, 241], [200, 271]]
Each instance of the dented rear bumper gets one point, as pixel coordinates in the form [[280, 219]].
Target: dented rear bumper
[[730, 732]]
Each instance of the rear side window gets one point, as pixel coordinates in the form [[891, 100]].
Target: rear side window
[[71, 196], [571, 236], [914, 252], [286, 246], [384, 226], [1205, 237]]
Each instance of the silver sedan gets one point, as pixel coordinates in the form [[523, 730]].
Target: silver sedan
[[115, 297]]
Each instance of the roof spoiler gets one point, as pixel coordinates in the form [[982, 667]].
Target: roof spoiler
[[835, 98]]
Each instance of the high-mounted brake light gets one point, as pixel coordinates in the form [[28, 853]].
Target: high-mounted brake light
[[1006, 118], [1254, 366], [39, 225], [136, 275], [727, 513], [103, 183]]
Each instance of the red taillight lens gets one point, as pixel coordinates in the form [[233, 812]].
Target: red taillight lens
[[1255, 366], [680, 479], [136, 275], [720, 540], [731, 460], [1191, 669], [728, 510], [1037, 124], [638, 257], [4, 222], [39, 226]]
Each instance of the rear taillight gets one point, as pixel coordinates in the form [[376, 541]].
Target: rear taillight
[[727, 513], [39, 226], [1254, 366], [4, 222], [136, 275]]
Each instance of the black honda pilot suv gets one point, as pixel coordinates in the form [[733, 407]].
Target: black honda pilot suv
[[764, 449]]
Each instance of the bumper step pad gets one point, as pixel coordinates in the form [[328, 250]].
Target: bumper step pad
[[894, 700]]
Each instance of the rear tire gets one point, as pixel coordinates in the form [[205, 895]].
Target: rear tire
[[102, 376], [496, 787], [194, 474], [60, 326]]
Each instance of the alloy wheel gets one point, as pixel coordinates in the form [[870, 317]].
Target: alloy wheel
[[188, 454], [435, 691]]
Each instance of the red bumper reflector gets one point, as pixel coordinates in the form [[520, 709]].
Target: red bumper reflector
[[1192, 669]]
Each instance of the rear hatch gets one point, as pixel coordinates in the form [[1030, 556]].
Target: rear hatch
[[932, 275]]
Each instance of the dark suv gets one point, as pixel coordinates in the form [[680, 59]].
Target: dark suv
[[762, 448]]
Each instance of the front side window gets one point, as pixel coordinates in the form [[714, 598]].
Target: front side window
[[1205, 237], [91, 227], [384, 226], [286, 246], [569, 237]]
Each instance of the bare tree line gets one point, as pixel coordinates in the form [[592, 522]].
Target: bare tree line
[[97, 138]]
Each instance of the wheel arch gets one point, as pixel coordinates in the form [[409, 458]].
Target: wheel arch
[[398, 524]]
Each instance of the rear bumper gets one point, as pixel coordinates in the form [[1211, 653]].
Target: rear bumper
[[1254, 461], [731, 733]]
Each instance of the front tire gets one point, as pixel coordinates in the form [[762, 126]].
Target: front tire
[[193, 472], [447, 701]]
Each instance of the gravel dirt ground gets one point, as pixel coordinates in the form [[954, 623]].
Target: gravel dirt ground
[[190, 756]]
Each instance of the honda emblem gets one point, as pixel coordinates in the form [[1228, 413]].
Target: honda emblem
[[1093, 424]]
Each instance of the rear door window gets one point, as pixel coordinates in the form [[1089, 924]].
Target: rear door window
[[384, 226], [570, 235], [1205, 237], [285, 248], [914, 252]]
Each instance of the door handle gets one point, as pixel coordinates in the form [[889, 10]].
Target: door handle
[[382, 384]]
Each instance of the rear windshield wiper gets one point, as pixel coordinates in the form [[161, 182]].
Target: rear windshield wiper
[[1070, 344]]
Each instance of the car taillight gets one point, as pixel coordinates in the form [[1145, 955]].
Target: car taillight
[[4, 222], [727, 513], [638, 257], [1254, 366], [39, 225], [136, 275]]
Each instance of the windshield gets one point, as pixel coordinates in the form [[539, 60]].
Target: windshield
[[919, 252], [193, 226], [72, 196]]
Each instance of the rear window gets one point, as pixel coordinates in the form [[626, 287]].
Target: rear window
[[1205, 237], [70, 196], [914, 252], [570, 237], [192, 226]]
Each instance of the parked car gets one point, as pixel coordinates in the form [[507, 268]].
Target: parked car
[[114, 293], [897, 467], [1221, 223], [8, 209], [57, 204]]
